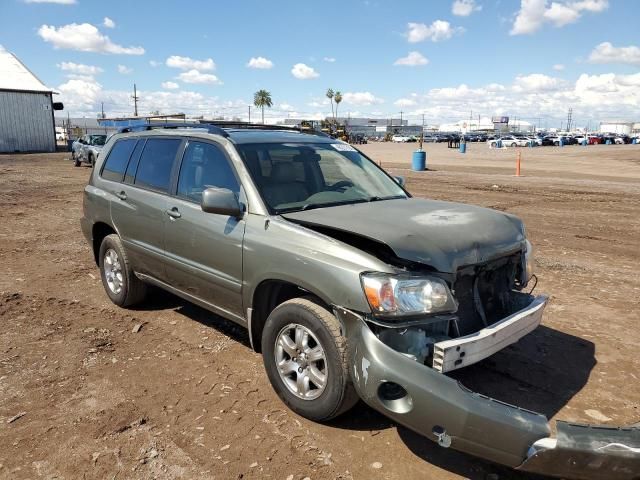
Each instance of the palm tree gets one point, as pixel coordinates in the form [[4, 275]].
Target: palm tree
[[330, 96], [262, 99], [338, 99]]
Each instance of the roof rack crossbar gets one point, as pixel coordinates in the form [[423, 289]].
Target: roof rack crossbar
[[210, 128]]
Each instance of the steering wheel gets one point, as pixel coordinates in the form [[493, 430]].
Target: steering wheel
[[341, 185]]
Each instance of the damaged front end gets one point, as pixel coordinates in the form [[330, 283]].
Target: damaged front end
[[438, 407], [449, 321]]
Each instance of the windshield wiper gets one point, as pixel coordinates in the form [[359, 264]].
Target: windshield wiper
[[376, 198]]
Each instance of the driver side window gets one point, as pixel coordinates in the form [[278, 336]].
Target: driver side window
[[204, 165]]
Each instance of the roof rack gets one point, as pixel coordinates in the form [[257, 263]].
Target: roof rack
[[210, 128], [262, 126], [219, 128]]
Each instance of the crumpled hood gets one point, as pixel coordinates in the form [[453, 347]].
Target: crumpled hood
[[443, 235]]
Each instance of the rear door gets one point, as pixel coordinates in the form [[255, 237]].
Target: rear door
[[204, 250], [139, 213]]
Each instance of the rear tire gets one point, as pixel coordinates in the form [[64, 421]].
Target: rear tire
[[122, 286], [92, 160], [514, 144], [322, 329]]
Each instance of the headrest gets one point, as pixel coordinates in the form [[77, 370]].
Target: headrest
[[283, 173]]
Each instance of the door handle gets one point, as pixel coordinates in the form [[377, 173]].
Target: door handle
[[174, 213], [122, 195]]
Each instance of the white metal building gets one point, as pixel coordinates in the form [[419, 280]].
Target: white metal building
[[621, 127], [26, 109]]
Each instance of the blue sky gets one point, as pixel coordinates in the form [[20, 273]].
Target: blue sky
[[531, 58]]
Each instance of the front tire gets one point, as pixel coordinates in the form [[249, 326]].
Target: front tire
[[305, 356], [122, 286]]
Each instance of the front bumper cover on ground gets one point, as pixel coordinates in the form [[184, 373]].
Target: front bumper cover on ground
[[441, 409]]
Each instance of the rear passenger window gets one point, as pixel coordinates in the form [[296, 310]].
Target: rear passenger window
[[154, 168], [116, 162]]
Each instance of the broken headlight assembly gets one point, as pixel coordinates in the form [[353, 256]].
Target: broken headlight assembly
[[403, 295]]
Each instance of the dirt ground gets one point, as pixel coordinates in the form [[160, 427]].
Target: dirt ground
[[185, 397]]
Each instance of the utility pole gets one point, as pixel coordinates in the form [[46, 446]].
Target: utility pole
[[135, 101], [569, 115], [401, 117], [249, 113], [102, 115]]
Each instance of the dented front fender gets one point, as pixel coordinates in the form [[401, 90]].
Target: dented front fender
[[444, 411]]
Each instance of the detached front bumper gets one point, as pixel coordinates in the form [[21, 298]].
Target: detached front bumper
[[438, 407], [460, 352]]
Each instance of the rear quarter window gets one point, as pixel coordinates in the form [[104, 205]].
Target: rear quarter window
[[116, 163]]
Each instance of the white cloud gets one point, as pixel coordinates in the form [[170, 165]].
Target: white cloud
[[170, 85], [558, 67], [154, 63], [260, 63], [79, 68], [529, 18], [80, 95], [304, 72], [536, 82], [535, 13], [404, 102], [414, 59], [83, 37], [464, 8], [124, 70], [186, 63], [286, 107], [59, 2], [560, 14], [439, 30], [195, 76], [607, 53], [107, 22], [329, 59], [361, 98]]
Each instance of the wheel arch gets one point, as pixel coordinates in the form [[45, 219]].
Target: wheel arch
[[98, 232], [270, 293]]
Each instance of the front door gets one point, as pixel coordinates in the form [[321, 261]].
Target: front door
[[204, 250]]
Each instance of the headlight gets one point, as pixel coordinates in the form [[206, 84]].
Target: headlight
[[406, 295], [528, 263]]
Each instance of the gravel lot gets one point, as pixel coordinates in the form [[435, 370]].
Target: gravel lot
[[185, 397]]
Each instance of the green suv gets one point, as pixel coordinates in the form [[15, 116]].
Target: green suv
[[348, 286]]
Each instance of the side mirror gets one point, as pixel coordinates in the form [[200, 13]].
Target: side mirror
[[221, 201], [399, 180], [58, 106]]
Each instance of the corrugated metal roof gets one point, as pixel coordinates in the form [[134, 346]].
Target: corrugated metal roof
[[14, 75]]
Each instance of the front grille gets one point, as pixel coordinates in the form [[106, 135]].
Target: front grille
[[484, 293]]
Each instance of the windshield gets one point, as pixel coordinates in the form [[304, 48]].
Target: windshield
[[98, 139], [301, 176]]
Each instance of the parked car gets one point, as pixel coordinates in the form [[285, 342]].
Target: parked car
[[348, 286], [400, 138], [554, 140], [510, 141], [61, 134], [91, 147], [76, 146]]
